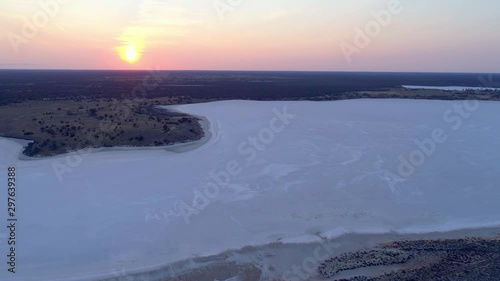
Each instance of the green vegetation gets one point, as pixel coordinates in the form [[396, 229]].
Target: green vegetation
[[60, 126]]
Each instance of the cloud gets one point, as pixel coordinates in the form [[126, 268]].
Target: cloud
[[158, 23]]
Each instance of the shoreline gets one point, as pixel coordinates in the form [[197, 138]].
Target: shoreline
[[174, 148], [206, 126], [275, 260]]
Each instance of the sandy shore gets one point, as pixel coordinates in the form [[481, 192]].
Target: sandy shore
[[283, 261]]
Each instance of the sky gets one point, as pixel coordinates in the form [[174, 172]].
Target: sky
[[310, 35]]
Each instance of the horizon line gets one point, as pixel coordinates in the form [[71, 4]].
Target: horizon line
[[242, 70]]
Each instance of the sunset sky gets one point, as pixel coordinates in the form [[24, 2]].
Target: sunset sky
[[425, 35]]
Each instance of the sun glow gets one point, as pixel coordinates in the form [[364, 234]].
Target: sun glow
[[129, 54]]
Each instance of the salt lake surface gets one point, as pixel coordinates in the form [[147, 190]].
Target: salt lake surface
[[272, 171]]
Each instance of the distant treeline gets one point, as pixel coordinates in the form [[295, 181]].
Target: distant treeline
[[21, 85]]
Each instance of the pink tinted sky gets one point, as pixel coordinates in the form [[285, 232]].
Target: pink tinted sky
[[456, 36]]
